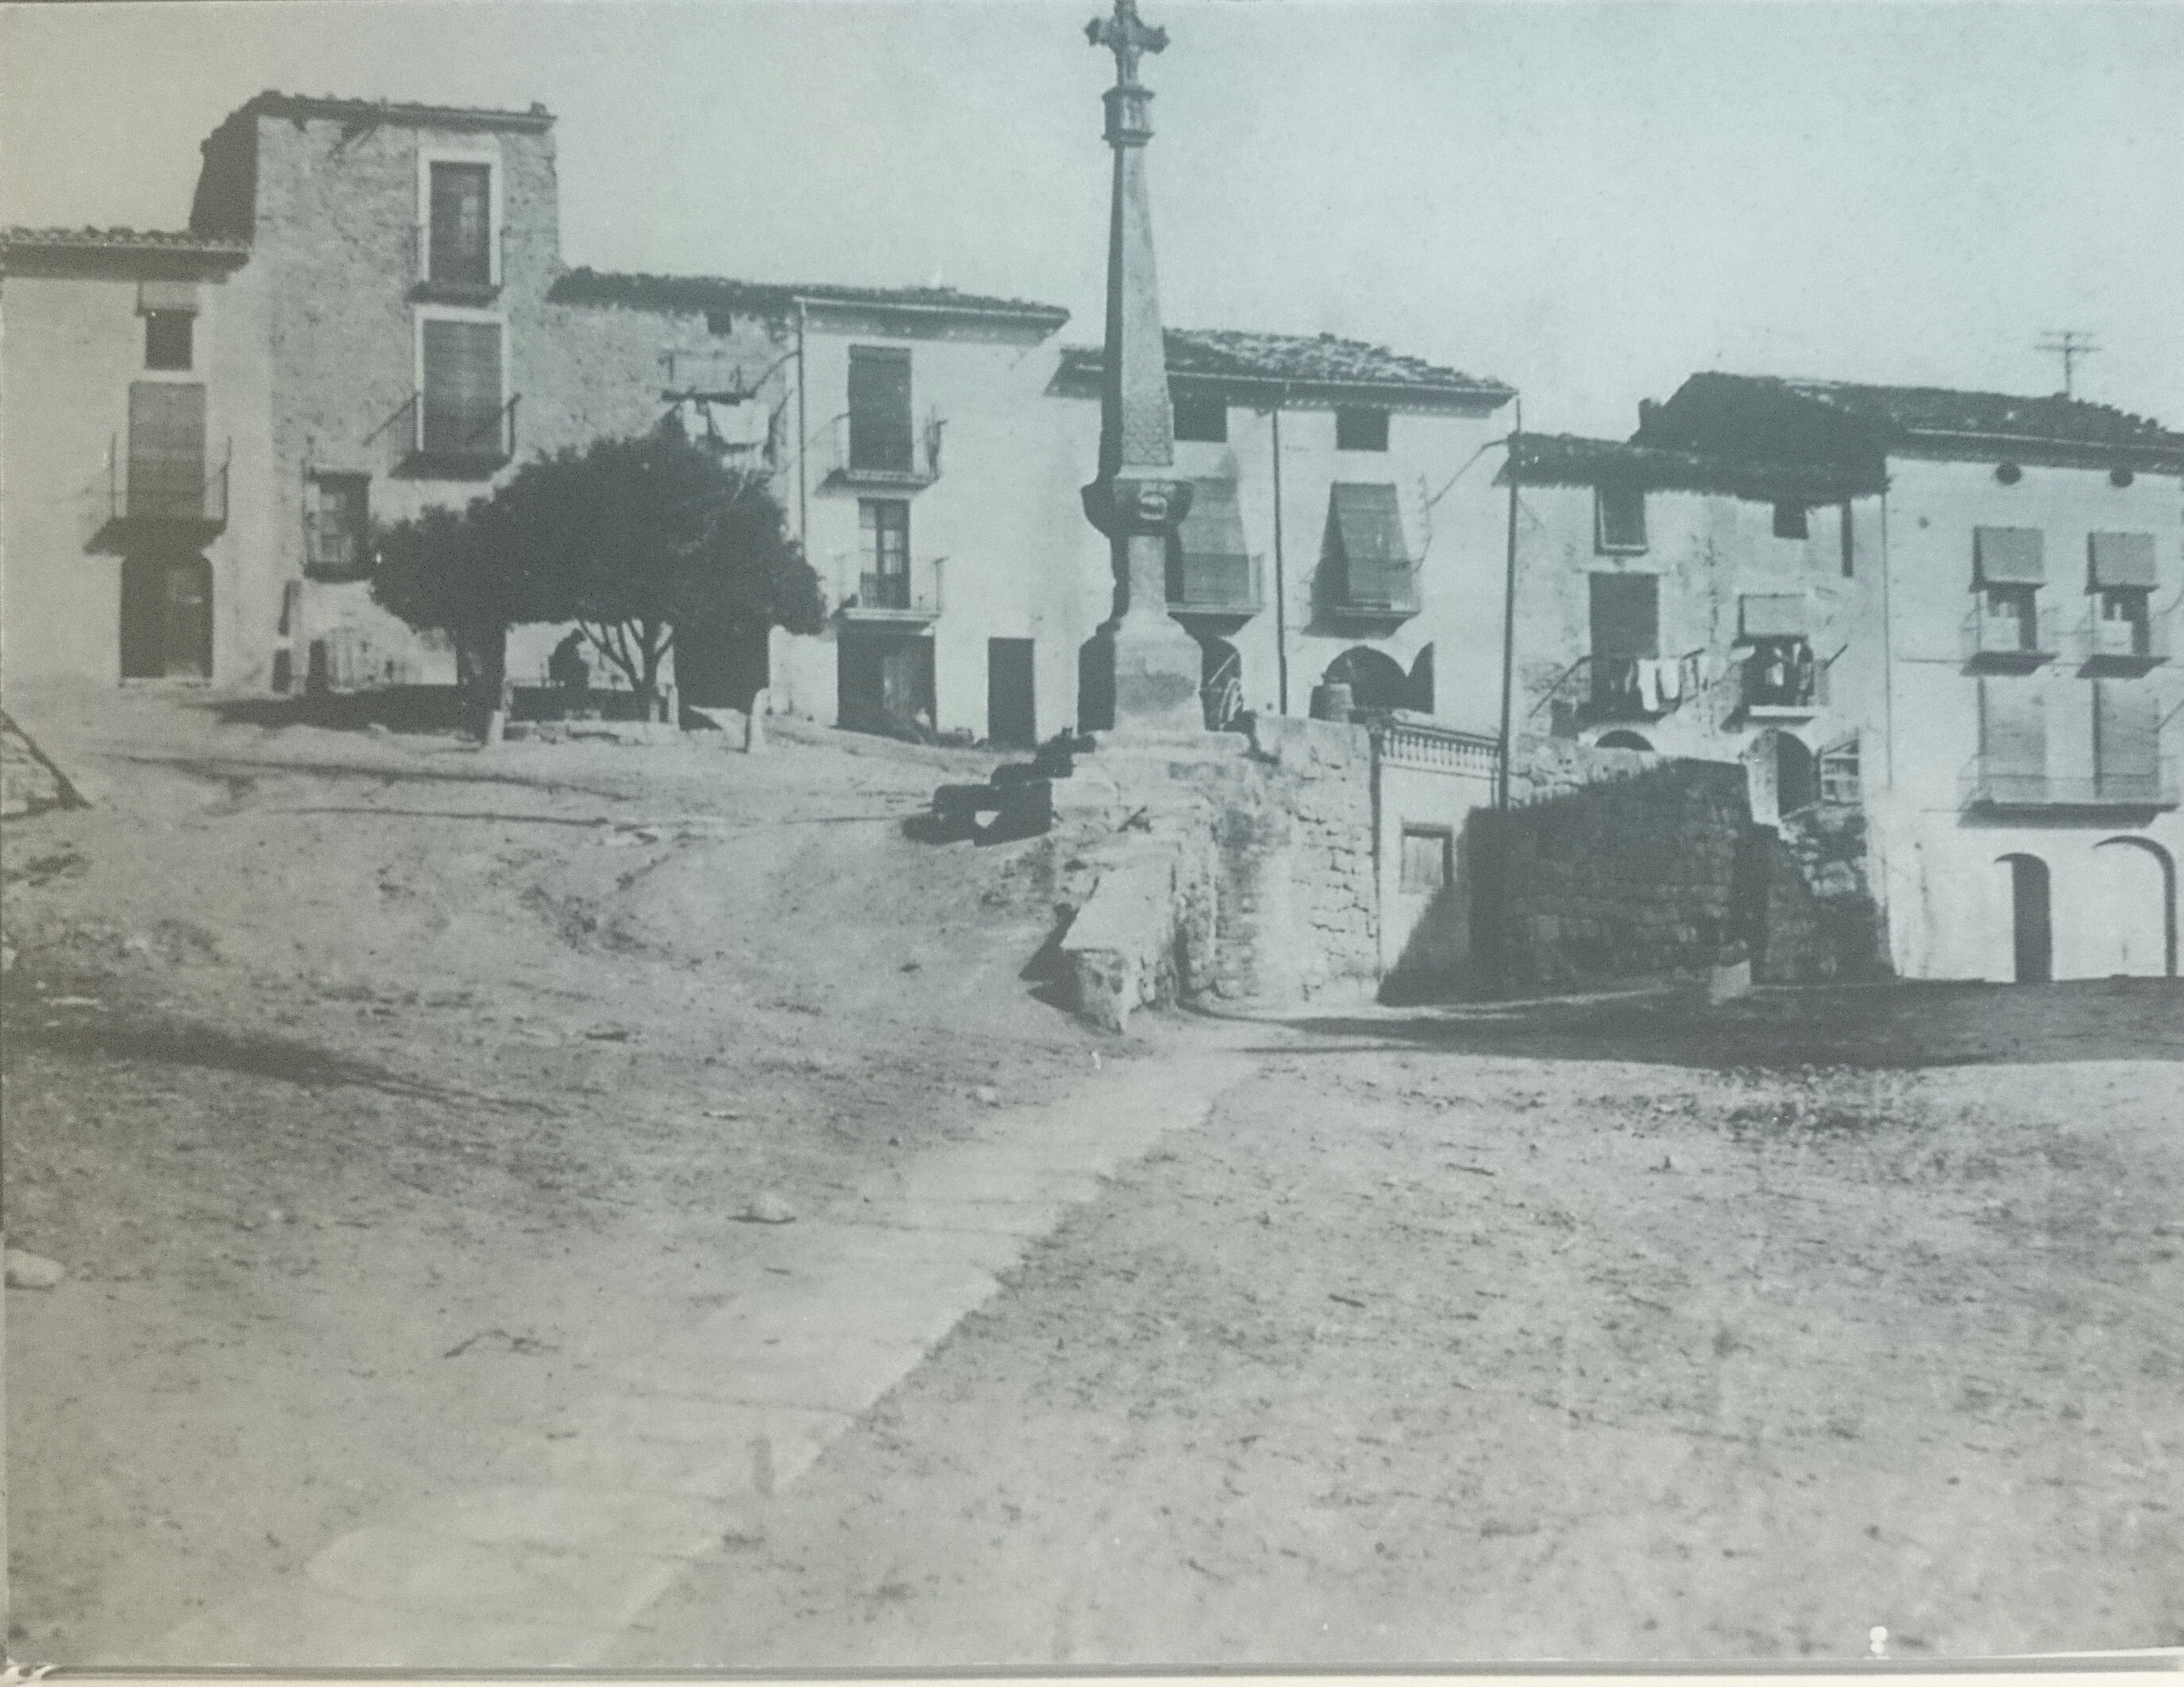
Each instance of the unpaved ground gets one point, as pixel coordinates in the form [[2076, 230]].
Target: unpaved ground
[[381, 1095], [376, 1092], [1432, 1353]]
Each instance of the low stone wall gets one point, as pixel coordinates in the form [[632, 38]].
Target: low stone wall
[[1656, 868]]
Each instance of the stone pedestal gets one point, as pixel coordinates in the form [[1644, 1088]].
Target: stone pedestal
[[1158, 667]]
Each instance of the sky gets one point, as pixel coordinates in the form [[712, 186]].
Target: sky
[[1590, 201]]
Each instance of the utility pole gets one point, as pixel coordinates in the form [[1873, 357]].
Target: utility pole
[[1509, 615], [2069, 344], [1281, 575]]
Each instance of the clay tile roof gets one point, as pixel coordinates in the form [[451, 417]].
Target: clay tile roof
[[117, 251], [274, 104], [1567, 459], [1785, 418], [1321, 368], [722, 294]]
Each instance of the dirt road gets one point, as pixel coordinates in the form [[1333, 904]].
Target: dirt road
[[382, 1095], [377, 1093]]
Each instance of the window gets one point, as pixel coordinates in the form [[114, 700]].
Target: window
[[880, 430], [1626, 615], [1201, 418], [461, 403], [1841, 784], [2013, 739], [1361, 430], [1789, 521], [1427, 864], [460, 253], [1619, 518], [166, 449], [337, 518], [168, 338], [2126, 740], [883, 525], [2013, 618]]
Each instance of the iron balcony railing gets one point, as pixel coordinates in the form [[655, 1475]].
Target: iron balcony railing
[[1215, 585], [2012, 640], [456, 282], [1784, 682], [164, 491], [1639, 687], [911, 595], [2130, 646], [447, 444], [1367, 597], [834, 460], [1993, 784], [1222, 694]]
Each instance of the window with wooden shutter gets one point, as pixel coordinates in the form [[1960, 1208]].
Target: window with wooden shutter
[[2126, 740], [880, 433], [462, 397], [1619, 518], [1361, 430], [461, 230], [335, 517], [2013, 740], [1626, 615], [166, 449]]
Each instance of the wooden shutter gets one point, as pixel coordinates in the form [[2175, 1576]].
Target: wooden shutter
[[2013, 728], [2126, 738], [462, 224], [462, 388], [879, 408], [166, 448], [1626, 615]]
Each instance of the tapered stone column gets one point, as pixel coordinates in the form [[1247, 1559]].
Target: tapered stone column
[[1137, 501]]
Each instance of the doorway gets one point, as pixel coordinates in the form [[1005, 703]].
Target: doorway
[[885, 684], [2131, 911], [2032, 933], [166, 617], [1012, 708]]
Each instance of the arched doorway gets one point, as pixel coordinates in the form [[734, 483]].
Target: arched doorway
[[1220, 676], [166, 617], [1422, 682], [2130, 911], [1797, 775], [2033, 936], [1376, 680], [1622, 741]]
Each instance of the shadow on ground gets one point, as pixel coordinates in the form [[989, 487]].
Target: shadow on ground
[[1876, 1026]]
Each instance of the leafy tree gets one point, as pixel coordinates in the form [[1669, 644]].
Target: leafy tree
[[630, 539]]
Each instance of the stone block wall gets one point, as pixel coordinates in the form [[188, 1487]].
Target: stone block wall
[[1300, 916], [1655, 867]]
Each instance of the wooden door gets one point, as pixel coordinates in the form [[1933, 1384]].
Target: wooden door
[[1012, 715]]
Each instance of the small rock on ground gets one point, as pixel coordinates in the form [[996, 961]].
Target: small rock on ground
[[31, 1271], [769, 1208]]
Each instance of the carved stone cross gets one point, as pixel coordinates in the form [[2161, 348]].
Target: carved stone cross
[[1127, 37]]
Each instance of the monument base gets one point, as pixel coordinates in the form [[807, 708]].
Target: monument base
[[1158, 672]]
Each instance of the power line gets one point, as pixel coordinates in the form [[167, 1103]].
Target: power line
[[2069, 344]]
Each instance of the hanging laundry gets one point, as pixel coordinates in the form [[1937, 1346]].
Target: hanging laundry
[[1672, 683], [1649, 685]]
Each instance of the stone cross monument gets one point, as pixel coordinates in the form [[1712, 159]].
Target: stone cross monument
[[1137, 501]]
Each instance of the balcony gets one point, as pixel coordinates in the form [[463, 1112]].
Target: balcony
[[1999, 789], [2009, 643], [910, 598], [447, 445], [2120, 648], [154, 500], [471, 282], [898, 465], [1373, 601], [1784, 684], [1217, 593]]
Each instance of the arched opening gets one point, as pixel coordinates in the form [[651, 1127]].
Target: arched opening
[[1376, 680], [2131, 910], [1797, 775], [1095, 684], [1422, 682], [1622, 741], [2033, 936], [166, 617], [1221, 682]]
